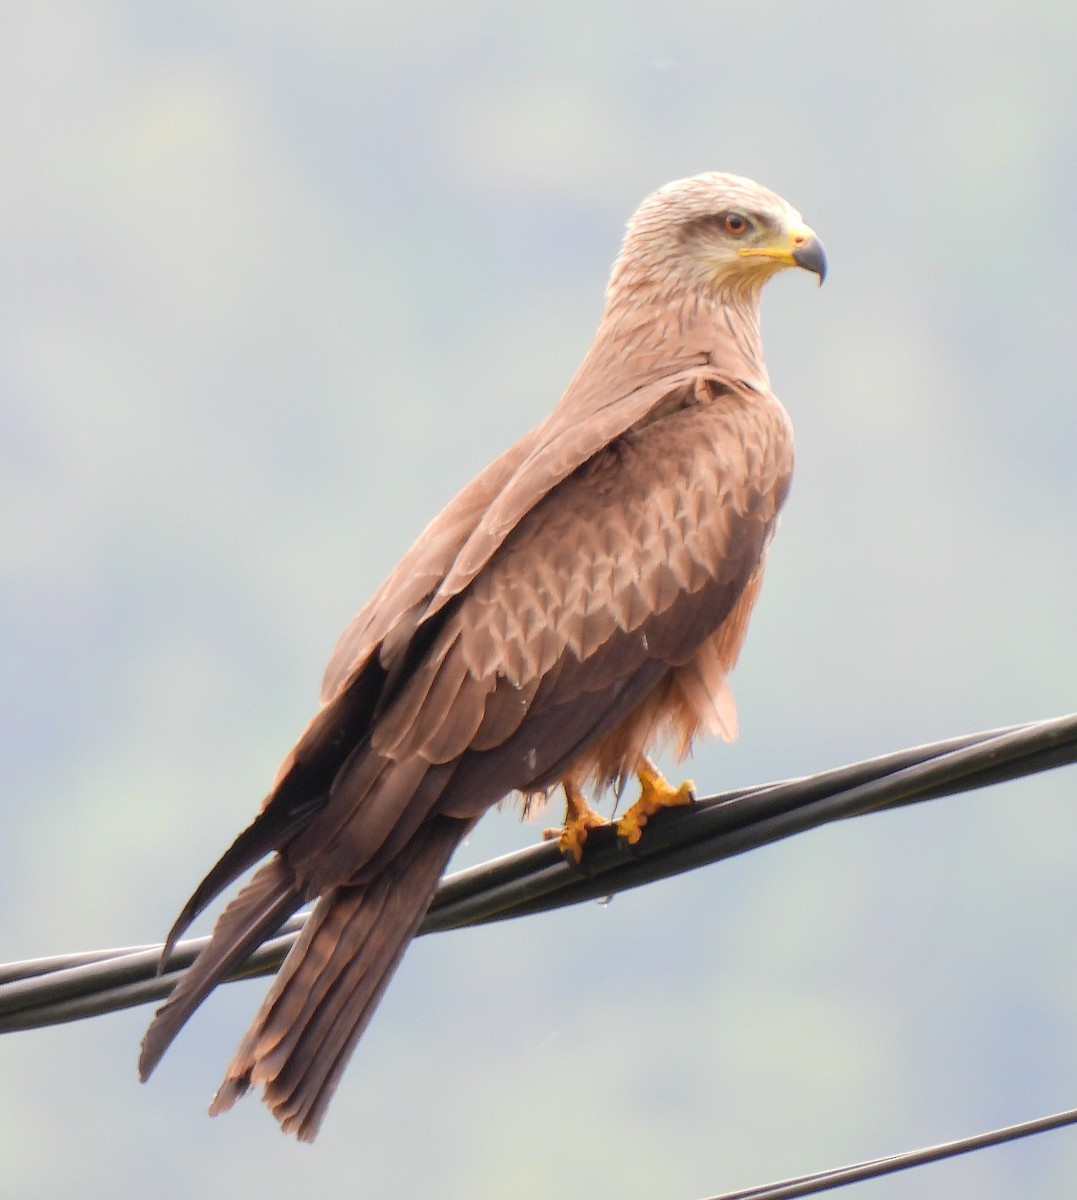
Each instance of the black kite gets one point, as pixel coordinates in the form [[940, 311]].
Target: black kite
[[585, 595]]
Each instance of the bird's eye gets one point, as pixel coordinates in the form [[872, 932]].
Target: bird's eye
[[736, 223]]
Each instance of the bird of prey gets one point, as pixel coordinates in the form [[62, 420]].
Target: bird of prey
[[582, 598]]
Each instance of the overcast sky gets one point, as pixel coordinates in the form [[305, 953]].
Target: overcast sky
[[276, 280]]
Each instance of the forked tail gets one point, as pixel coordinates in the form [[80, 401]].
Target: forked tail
[[331, 982], [257, 912]]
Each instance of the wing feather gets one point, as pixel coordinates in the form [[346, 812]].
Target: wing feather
[[649, 557], [605, 398]]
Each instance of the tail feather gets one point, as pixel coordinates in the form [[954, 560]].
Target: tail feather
[[253, 844], [332, 981], [259, 909]]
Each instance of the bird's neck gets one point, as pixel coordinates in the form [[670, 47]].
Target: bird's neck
[[720, 327]]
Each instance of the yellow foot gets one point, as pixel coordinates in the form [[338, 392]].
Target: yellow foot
[[580, 819], [656, 793]]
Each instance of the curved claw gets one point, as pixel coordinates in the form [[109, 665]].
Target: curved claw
[[656, 793], [580, 819]]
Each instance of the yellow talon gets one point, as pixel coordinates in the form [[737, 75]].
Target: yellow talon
[[580, 819], [656, 793]]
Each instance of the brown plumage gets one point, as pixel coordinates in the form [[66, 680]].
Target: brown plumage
[[584, 596]]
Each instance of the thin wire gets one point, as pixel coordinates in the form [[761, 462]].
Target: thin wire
[[823, 1181], [49, 991]]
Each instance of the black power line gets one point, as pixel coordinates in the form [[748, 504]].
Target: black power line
[[71, 987], [824, 1181], [50, 991]]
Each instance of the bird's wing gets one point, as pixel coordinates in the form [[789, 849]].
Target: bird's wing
[[561, 655], [614, 582], [455, 546], [386, 640]]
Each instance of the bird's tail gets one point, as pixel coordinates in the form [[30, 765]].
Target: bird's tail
[[331, 982], [257, 912]]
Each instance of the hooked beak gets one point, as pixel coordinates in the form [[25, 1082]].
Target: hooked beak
[[796, 247]]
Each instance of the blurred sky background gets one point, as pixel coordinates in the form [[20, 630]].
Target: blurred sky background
[[275, 280]]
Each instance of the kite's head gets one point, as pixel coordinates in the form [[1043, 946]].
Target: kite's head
[[717, 233]]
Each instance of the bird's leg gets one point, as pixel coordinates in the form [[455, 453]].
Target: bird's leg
[[580, 819], [656, 793]]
